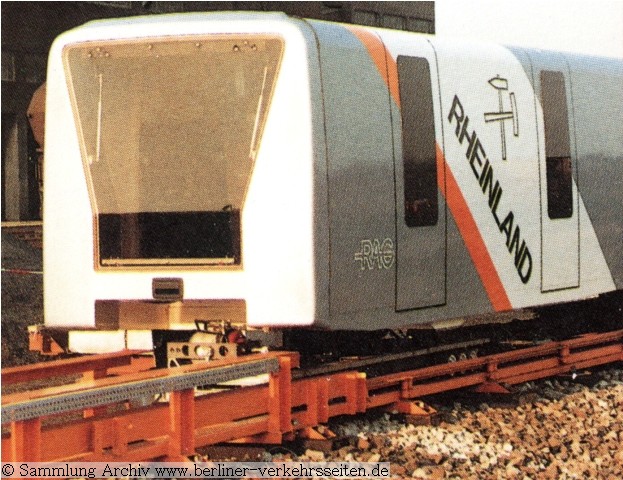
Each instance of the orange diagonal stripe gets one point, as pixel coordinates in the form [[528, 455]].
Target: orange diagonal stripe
[[472, 238], [386, 65], [384, 62]]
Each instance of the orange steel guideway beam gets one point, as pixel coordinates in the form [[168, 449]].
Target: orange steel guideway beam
[[507, 368], [269, 412], [95, 366]]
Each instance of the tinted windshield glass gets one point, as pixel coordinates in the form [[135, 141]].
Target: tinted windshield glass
[[170, 130]]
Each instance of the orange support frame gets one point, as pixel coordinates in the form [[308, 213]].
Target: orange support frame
[[182, 423], [26, 440], [266, 412], [494, 371], [96, 366]]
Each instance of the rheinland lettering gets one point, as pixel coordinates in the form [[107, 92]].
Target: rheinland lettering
[[491, 188]]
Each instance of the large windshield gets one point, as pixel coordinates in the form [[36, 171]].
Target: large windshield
[[169, 131]]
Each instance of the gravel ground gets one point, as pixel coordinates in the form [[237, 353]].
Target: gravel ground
[[22, 299], [553, 429]]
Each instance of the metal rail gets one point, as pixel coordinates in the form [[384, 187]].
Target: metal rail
[[22, 224], [139, 389], [264, 413], [30, 231]]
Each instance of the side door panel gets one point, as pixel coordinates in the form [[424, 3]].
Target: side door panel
[[419, 177], [359, 173], [560, 224]]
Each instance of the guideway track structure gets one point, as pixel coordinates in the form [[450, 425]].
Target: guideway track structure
[[185, 418]]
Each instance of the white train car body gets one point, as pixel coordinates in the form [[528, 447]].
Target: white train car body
[[285, 173]]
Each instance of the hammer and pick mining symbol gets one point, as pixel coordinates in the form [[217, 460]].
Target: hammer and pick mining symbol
[[501, 85]]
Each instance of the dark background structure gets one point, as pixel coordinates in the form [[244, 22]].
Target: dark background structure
[[28, 29]]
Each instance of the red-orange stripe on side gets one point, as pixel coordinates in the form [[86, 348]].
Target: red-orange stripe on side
[[388, 69], [382, 59], [472, 237]]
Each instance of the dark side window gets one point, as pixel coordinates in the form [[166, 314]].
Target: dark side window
[[557, 149], [418, 142]]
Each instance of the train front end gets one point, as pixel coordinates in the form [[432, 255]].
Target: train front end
[[179, 178]]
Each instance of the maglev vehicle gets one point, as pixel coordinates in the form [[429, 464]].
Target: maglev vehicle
[[281, 174]]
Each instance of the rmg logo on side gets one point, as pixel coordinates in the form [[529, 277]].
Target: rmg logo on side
[[375, 253]]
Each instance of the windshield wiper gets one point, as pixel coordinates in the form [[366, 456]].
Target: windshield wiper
[[252, 150], [98, 139]]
